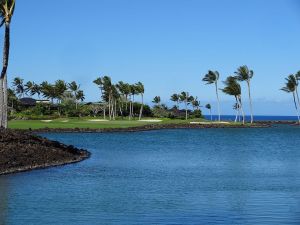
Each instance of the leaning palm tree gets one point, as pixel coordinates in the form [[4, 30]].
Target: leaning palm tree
[[7, 8], [291, 87], [184, 97], [297, 77], [175, 98], [156, 100], [75, 88], [244, 74], [19, 86], [208, 106], [141, 90], [212, 77], [233, 88]]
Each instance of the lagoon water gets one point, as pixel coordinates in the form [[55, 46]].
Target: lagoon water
[[208, 176]]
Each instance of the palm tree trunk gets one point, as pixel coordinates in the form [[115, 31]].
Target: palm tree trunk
[[3, 93], [218, 101], [5, 105], [104, 112], [132, 110], [298, 99], [210, 115], [297, 109], [186, 113], [1, 103], [109, 106], [142, 106], [242, 110], [250, 101]]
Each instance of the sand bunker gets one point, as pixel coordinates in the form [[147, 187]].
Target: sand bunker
[[98, 120], [46, 121], [205, 123], [152, 121]]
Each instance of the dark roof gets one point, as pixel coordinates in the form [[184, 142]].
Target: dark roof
[[28, 101]]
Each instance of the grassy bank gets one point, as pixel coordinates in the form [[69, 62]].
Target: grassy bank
[[91, 123]]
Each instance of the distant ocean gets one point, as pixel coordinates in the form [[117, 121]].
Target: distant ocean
[[256, 118]]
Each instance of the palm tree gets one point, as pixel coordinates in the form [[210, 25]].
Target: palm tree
[[208, 106], [74, 88], [244, 74], [156, 100], [7, 8], [175, 98], [233, 88], [18, 84], [297, 76], [48, 91], [80, 96], [195, 103], [32, 89], [60, 88], [291, 87], [236, 107], [100, 83], [141, 90], [133, 92], [184, 97], [212, 77]]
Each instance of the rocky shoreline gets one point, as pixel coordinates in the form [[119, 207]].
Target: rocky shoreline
[[146, 128], [22, 151]]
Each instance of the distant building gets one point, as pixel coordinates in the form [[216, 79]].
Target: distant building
[[27, 102]]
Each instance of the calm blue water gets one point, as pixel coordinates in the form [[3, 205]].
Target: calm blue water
[[256, 118], [212, 176]]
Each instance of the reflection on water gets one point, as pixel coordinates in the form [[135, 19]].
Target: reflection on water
[[3, 200], [212, 176]]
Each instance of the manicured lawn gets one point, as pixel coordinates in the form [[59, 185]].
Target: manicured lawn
[[86, 123]]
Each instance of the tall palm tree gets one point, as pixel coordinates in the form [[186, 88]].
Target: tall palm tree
[[291, 87], [141, 90], [184, 97], [18, 84], [212, 77], [48, 91], [75, 88], [175, 98], [233, 88], [297, 76], [7, 8], [244, 74], [100, 83], [195, 103], [156, 100], [236, 107], [60, 88], [208, 106]]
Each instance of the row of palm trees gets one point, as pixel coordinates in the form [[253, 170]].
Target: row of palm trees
[[183, 97], [233, 88], [56, 91], [119, 97], [7, 8], [291, 86]]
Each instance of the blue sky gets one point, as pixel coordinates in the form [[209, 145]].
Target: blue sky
[[167, 44]]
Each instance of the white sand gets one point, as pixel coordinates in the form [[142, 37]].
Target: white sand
[[65, 121], [46, 121], [98, 120], [153, 121], [222, 122]]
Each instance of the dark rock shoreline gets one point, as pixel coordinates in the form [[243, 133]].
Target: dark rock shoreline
[[22, 151], [146, 128]]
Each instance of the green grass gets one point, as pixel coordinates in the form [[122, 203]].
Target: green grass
[[85, 123]]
